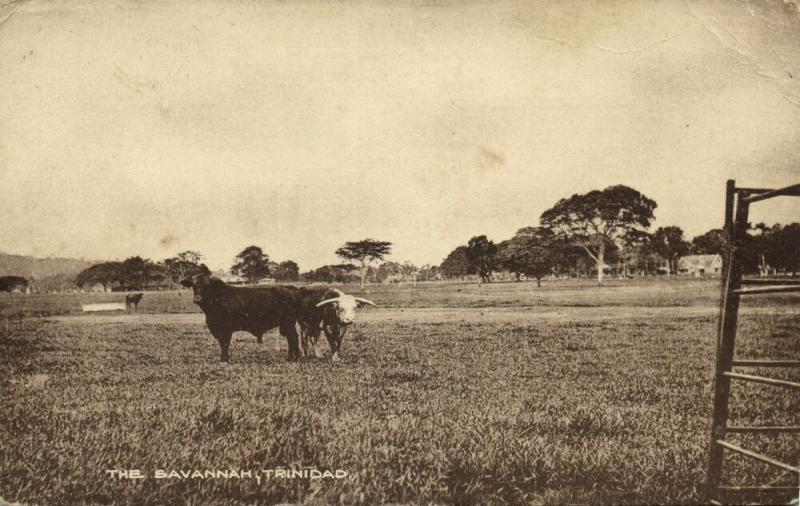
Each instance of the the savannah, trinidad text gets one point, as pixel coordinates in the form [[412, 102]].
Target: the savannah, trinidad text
[[311, 473]]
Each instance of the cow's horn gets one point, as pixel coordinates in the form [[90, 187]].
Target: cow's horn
[[328, 301], [337, 292], [365, 301]]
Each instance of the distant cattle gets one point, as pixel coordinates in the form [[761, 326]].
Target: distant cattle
[[132, 300], [228, 309]]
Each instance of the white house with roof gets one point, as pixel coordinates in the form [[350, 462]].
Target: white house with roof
[[700, 265]]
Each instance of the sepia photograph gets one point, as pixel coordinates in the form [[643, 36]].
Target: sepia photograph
[[399, 252]]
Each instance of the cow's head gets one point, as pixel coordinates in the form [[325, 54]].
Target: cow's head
[[204, 287], [345, 306]]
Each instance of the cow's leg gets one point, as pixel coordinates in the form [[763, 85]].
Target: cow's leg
[[335, 333], [314, 338], [332, 334], [224, 338], [290, 333], [339, 340], [309, 335], [303, 339]]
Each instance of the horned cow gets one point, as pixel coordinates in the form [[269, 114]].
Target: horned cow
[[326, 310]]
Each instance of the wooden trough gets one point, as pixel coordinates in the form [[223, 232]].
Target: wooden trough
[[105, 306]]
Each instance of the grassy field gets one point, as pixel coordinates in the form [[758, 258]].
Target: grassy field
[[447, 394]]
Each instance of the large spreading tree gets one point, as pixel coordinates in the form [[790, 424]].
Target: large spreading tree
[[134, 273], [363, 253], [106, 274], [599, 218], [252, 264]]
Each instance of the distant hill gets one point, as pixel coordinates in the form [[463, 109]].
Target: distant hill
[[40, 268]]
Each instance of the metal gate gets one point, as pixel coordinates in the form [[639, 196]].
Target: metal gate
[[734, 286]]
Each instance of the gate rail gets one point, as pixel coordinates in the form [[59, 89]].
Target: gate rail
[[737, 207]]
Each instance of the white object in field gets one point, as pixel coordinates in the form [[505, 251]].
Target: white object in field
[[106, 306]]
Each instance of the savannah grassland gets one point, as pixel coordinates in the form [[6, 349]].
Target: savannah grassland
[[448, 393]]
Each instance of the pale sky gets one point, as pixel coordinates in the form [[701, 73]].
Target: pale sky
[[148, 128]]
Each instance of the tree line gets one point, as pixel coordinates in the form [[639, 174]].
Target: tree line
[[608, 230], [582, 235], [137, 273], [252, 264]]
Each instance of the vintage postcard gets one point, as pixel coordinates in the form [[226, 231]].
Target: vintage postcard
[[399, 252]]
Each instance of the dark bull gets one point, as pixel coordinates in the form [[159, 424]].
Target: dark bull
[[229, 309]]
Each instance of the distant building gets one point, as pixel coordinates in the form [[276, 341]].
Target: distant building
[[266, 281], [700, 265]]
